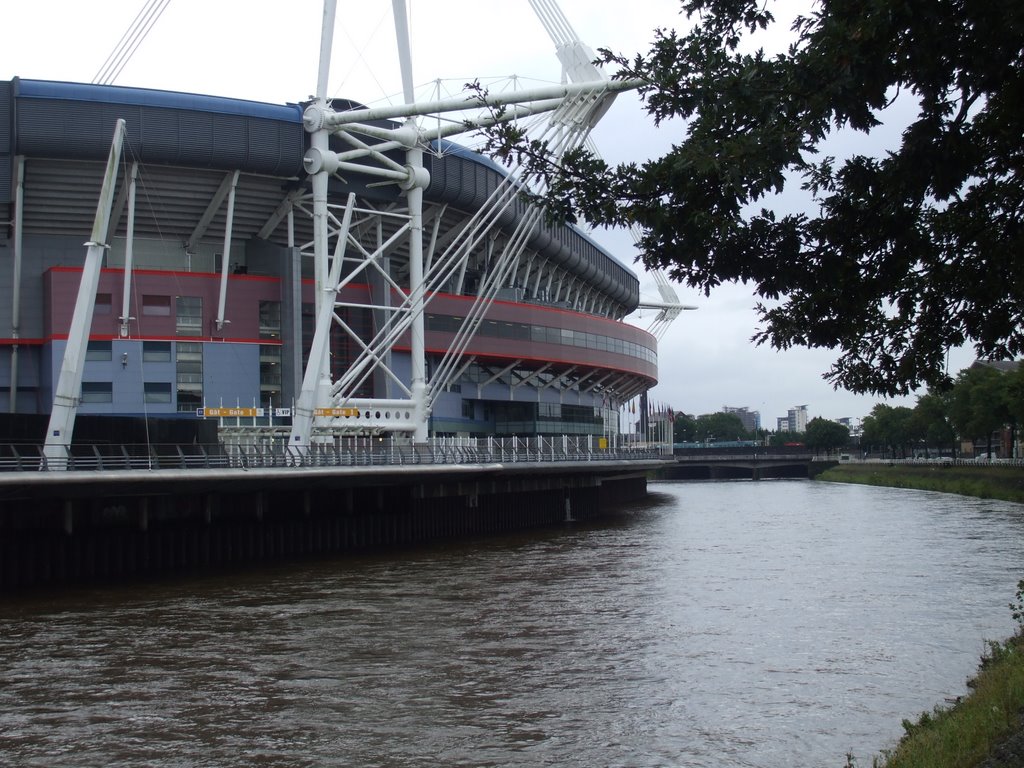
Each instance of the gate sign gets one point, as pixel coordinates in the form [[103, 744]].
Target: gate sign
[[225, 413], [336, 412]]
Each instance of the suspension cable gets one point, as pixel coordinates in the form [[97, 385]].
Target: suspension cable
[[130, 42]]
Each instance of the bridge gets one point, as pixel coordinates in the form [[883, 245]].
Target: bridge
[[753, 463]]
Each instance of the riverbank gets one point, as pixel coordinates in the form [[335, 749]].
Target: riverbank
[[984, 481], [984, 729], [981, 730]]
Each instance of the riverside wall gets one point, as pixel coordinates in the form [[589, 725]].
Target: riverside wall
[[70, 528]]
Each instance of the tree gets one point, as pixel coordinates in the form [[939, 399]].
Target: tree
[[900, 256], [721, 427], [825, 435], [779, 439], [684, 428], [931, 419], [979, 403], [889, 428]]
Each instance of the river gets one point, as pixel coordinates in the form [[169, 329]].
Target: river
[[776, 623]]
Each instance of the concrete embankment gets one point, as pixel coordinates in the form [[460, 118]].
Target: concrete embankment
[[76, 527]]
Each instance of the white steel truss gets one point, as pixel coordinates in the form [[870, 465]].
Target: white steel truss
[[578, 65], [328, 407]]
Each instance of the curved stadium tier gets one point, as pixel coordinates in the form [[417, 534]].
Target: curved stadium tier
[[220, 190]]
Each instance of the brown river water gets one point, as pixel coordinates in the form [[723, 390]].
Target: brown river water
[[777, 623]]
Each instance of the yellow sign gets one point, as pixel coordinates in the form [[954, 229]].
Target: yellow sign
[[225, 413], [602, 443], [336, 412]]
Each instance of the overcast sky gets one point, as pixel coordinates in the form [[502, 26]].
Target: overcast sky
[[268, 51]]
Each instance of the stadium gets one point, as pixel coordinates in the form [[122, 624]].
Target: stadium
[[207, 301]]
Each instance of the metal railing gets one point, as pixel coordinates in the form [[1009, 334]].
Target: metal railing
[[339, 452], [935, 461]]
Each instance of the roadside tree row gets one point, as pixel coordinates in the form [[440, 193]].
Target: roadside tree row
[[983, 403]]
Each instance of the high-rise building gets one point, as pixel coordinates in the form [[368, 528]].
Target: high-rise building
[[796, 418]]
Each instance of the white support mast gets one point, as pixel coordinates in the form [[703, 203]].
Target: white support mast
[[19, 214], [129, 250], [414, 185], [319, 141], [69, 385], [226, 255]]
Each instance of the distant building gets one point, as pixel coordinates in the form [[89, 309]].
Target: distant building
[[781, 424], [851, 424], [751, 419], [796, 419]]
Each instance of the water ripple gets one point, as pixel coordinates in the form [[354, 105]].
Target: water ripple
[[720, 624]]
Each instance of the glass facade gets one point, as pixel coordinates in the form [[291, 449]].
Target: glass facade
[[270, 375], [189, 370], [270, 320], [189, 315], [544, 333]]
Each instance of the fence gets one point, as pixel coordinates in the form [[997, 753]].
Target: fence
[[339, 452]]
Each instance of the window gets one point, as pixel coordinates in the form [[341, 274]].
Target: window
[[270, 374], [103, 304], [97, 392], [189, 371], [156, 351], [99, 350], [189, 315], [156, 306], [270, 320], [157, 391]]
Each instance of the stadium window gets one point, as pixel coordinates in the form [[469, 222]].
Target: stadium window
[[97, 392], [103, 304], [157, 391], [270, 320], [156, 306], [189, 369], [99, 350], [270, 374], [156, 351], [189, 317]]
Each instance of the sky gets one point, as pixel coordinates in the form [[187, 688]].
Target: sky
[[269, 51]]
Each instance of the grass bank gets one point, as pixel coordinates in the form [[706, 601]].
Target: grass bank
[[985, 728], [983, 481]]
